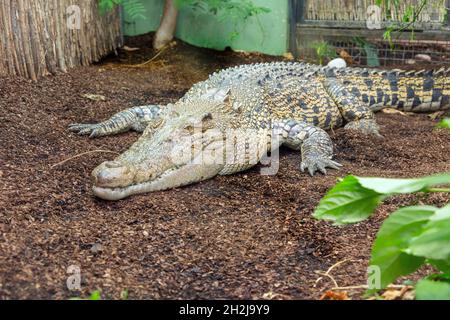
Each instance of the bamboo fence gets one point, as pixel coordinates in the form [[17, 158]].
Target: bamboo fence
[[356, 10], [40, 37]]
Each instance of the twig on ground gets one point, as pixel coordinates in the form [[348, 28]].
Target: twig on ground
[[327, 273], [324, 274], [80, 155], [140, 65], [365, 286]]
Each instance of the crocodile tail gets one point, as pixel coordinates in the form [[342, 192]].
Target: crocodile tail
[[414, 91]]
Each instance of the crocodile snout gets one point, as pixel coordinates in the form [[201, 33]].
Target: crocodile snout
[[112, 174]]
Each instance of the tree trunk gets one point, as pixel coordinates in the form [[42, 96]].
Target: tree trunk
[[166, 29], [41, 37]]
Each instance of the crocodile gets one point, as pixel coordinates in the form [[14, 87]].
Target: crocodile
[[239, 115]]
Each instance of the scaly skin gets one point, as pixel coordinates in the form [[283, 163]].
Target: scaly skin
[[229, 122]]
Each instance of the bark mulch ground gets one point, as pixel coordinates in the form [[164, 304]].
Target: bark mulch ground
[[241, 236]]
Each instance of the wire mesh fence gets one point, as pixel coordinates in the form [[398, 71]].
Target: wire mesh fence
[[349, 11], [341, 25], [397, 52]]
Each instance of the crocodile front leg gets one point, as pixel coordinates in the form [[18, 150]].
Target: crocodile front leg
[[315, 144], [136, 118], [355, 112]]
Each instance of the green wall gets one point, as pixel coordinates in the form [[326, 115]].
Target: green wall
[[267, 33]]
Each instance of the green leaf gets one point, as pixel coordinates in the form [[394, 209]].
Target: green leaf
[[355, 198], [432, 290], [388, 252], [442, 265], [134, 8], [348, 202], [434, 241], [124, 294], [445, 123], [439, 276], [372, 55], [442, 213], [392, 186], [106, 5], [96, 295]]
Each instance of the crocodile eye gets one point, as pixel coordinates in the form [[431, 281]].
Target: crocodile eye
[[189, 128], [203, 124], [207, 116]]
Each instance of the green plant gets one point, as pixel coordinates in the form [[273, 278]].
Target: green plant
[[406, 21], [96, 295], [370, 50], [445, 123], [409, 237], [134, 8], [324, 51], [242, 10], [124, 294], [236, 12]]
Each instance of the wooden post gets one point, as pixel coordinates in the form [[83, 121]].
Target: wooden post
[[166, 29], [41, 37], [447, 6], [292, 25]]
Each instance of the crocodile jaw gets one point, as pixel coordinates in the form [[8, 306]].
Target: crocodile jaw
[[171, 178], [125, 176]]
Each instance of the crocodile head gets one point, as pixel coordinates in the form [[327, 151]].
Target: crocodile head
[[170, 153]]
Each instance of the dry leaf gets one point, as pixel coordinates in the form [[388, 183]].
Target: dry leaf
[[346, 56], [333, 295], [94, 97], [130, 49], [399, 294], [288, 56], [436, 115], [393, 111]]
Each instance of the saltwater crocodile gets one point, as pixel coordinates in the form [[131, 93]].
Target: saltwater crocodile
[[239, 114]]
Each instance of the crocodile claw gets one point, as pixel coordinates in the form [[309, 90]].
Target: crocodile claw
[[93, 130], [318, 163]]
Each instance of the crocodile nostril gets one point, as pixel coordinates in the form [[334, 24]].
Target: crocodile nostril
[[112, 174], [113, 164], [109, 177]]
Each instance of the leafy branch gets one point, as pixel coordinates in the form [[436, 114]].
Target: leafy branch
[[134, 8], [407, 21], [324, 51], [236, 12], [409, 238]]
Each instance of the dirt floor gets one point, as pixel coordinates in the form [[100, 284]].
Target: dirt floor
[[241, 236]]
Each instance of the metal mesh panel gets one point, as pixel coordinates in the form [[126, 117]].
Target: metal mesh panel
[[340, 23], [357, 11], [398, 52]]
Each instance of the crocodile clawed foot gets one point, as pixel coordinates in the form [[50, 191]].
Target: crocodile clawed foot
[[93, 130], [318, 163], [365, 126]]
